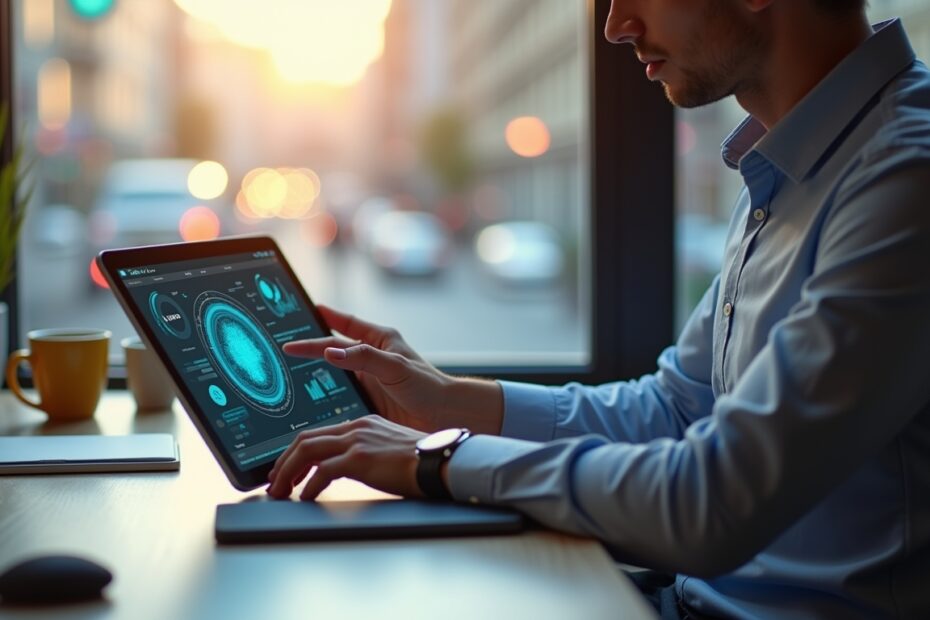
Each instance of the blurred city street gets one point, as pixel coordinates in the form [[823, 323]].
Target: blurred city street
[[456, 317], [358, 135]]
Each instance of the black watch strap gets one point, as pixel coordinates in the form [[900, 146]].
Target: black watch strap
[[431, 457], [429, 476]]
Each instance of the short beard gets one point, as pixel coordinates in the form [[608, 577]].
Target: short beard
[[730, 68]]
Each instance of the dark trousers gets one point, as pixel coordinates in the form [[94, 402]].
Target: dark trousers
[[659, 590]]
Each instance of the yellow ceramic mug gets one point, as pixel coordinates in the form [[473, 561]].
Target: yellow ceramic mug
[[69, 370]]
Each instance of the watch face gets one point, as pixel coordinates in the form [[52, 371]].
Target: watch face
[[440, 440]]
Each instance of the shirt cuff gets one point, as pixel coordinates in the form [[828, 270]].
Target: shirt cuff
[[529, 411], [475, 462]]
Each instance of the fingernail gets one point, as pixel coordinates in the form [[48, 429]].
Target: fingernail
[[336, 354]]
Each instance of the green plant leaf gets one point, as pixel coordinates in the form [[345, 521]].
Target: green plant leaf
[[15, 196]]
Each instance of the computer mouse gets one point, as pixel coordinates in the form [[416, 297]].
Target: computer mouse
[[53, 579]]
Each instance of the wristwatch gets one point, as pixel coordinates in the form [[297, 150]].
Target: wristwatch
[[432, 451]]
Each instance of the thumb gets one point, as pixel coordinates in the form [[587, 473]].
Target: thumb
[[388, 368]]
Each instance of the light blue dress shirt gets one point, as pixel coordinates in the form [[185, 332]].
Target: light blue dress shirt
[[779, 459]]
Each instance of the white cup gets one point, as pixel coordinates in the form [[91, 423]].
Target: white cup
[[146, 377]]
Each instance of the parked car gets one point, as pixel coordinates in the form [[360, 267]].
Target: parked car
[[409, 243], [521, 253], [142, 202], [363, 220]]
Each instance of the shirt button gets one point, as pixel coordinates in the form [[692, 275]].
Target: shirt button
[[727, 309], [759, 214]]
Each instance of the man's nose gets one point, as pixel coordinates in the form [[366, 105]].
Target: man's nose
[[622, 26]]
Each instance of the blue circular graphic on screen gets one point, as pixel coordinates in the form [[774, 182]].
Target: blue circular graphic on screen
[[168, 316], [243, 353], [276, 299], [217, 395]]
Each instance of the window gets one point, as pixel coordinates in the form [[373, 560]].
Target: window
[[707, 190], [423, 163], [320, 119]]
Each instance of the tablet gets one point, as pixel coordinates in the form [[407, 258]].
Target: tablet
[[218, 313], [71, 454], [286, 521]]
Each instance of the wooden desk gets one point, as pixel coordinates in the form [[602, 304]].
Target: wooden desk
[[155, 533]]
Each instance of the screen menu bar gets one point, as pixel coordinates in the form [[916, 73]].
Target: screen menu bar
[[198, 272]]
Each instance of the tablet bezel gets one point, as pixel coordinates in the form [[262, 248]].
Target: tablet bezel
[[110, 261]]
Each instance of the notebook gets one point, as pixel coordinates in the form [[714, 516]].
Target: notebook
[[51, 454]]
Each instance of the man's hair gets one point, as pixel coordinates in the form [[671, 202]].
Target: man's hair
[[840, 6]]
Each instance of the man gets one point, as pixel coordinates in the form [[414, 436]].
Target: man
[[779, 459]]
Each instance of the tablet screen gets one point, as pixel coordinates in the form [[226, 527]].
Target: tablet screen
[[222, 322]]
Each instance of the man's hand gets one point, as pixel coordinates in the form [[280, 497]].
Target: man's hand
[[405, 388], [371, 450]]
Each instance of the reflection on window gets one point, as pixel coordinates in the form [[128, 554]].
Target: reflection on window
[[422, 163], [707, 190]]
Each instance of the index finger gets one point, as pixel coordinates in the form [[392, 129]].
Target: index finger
[[314, 347]]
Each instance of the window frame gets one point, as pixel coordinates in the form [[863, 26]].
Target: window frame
[[11, 295], [632, 216]]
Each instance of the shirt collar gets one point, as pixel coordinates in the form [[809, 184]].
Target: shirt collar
[[799, 140]]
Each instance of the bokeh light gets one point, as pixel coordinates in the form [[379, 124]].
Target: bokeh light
[[54, 93], [199, 224], [244, 212], [310, 41], [91, 9], [207, 180], [302, 190], [320, 231], [96, 276], [288, 193], [266, 192], [527, 136]]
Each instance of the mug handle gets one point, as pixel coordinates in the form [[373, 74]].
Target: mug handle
[[12, 380]]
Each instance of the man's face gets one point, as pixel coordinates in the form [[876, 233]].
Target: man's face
[[701, 50]]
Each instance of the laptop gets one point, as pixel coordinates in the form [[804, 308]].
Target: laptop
[[217, 314]]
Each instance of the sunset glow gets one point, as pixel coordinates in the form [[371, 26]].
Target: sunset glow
[[310, 41]]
